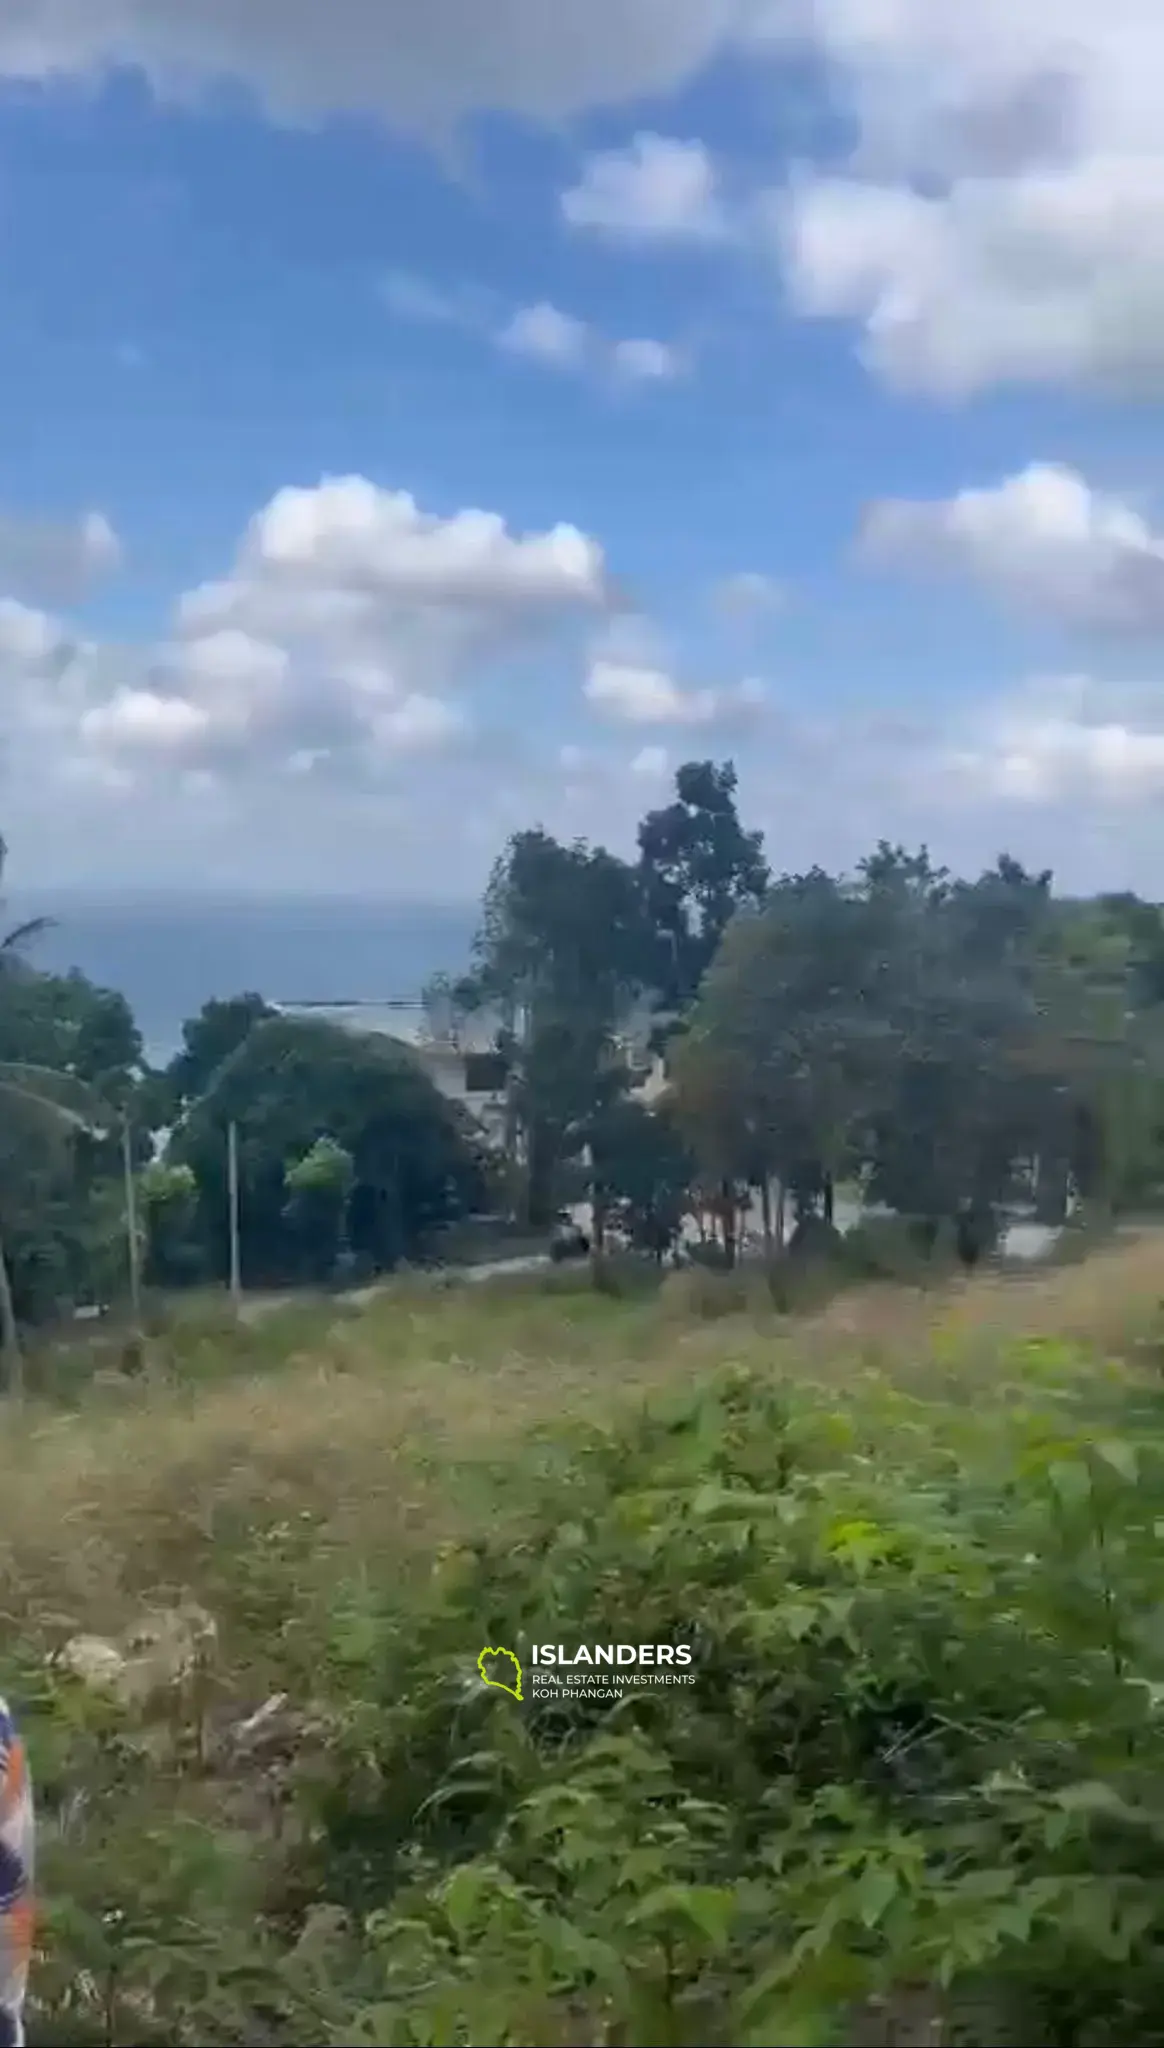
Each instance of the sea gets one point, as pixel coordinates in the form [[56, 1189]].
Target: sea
[[170, 954]]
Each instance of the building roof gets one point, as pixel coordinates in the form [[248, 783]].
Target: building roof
[[404, 1018]]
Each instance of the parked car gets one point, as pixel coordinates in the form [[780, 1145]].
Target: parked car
[[568, 1241]]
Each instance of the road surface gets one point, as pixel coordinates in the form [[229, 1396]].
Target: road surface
[[254, 1310]]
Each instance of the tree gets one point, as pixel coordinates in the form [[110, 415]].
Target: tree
[[46, 1105], [221, 1026], [174, 1255], [292, 1082], [642, 1174], [697, 868], [561, 956], [319, 1189], [785, 1045]]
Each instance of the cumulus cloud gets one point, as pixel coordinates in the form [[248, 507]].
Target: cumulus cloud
[[541, 333], [548, 335], [1044, 539], [411, 297], [747, 596], [1063, 740], [646, 696], [350, 539], [1002, 219], [421, 68], [656, 190], [562, 342], [337, 643], [647, 362], [52, 562], [632, 681]]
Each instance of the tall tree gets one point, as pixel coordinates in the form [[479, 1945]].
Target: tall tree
[[46, 1104], [697, 867], [787, 1045], [208, 1039], [562, 956]]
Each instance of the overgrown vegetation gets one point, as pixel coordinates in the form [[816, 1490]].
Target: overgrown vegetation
[[910, 1537], [914, 1781], [948, 1048]]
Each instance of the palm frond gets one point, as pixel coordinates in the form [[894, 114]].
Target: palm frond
[[23, 935], [61, 1098]]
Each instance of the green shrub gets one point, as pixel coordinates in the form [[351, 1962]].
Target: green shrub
[[921, 1748], [626, 1276], [893, 1248], [699, 1294], [920, 1763]]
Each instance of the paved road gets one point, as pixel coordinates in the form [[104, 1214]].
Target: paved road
[[254, 1310]]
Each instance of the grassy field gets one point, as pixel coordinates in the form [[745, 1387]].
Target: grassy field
[[354, 1499]]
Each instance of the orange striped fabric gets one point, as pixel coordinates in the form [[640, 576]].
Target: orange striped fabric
[[17, 1843]]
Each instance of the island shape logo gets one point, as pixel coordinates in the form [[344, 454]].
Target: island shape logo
[[512, 1669]]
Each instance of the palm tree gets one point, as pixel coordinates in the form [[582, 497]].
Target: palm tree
[[53, 1108]]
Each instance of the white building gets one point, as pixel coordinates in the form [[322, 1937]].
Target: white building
[[459, 1053], [460, 1059]]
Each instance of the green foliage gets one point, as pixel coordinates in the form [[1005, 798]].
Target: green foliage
[[168, 1195], [919, 1760], [934, 1038], [893, 1248], [390, 1159], [920, 1748], [698, 867], [319, 1188], [208, 1040], [641, 1174]]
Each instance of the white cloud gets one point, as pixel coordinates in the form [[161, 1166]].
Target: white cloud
[[646, 696], [748, 595], [542, 333], [548, 335], [331, 647], [656, 190], [411, 297], [647, 362], [348, 537], [142, 721], [1063, 740], [1002, 220], [1043, 538], [421, 68], [50, 562], [652, 763], [29, 639], [417, 721], [632, 680]]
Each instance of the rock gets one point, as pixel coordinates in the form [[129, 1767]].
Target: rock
[[150, 1661], [271, 1732], [323, 1926], [97, 1663]]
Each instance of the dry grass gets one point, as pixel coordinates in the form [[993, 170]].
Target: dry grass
[[368, 1446]]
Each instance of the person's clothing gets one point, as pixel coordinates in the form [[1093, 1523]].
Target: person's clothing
[[16, 1880]]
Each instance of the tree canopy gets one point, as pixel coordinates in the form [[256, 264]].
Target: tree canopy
[[948, 1045]]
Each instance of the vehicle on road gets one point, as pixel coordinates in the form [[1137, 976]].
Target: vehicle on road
[[568, 1241]]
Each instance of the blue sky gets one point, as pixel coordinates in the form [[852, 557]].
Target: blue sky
[[834, 337]]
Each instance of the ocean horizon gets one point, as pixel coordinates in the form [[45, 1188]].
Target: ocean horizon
[[168, 955]]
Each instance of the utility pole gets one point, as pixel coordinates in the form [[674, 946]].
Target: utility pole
[[132, 1242], [235, 1239]]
